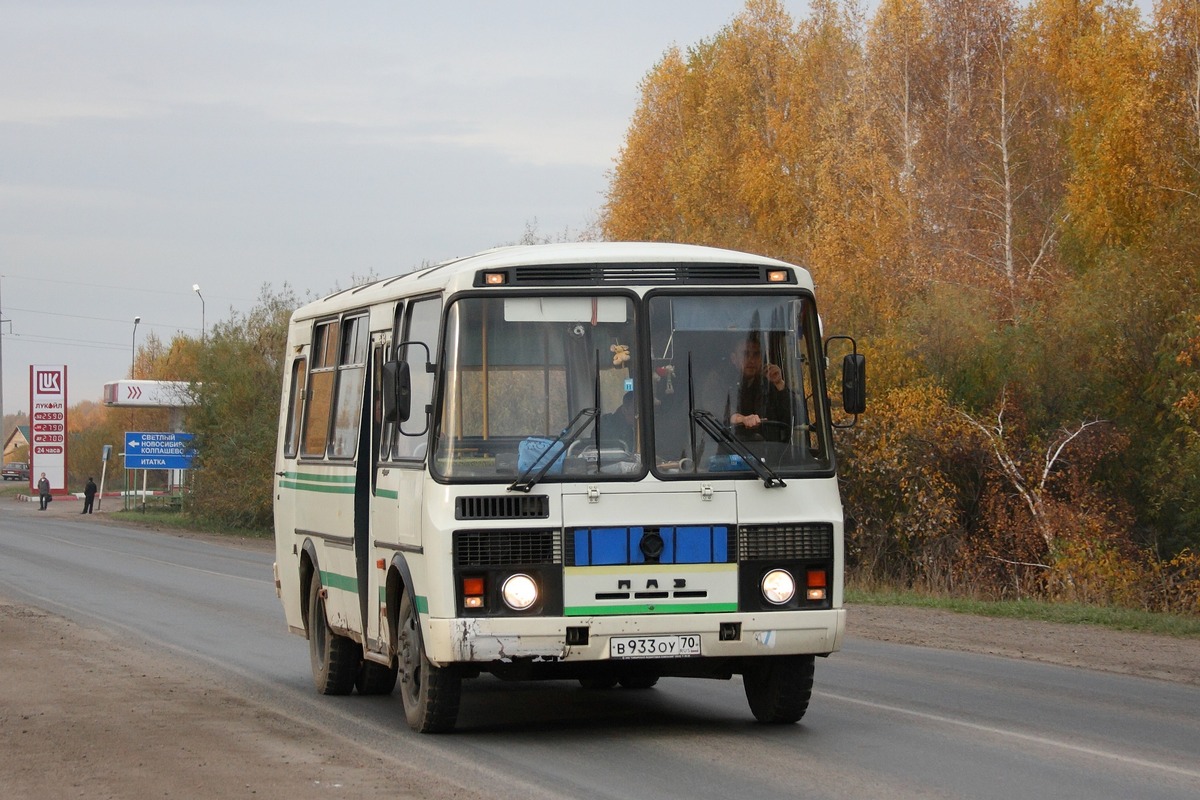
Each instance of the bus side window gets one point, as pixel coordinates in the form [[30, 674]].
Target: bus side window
[[381, 431], [295, 406], [421, 325], [351, 379], [387, 438], [319, 397]]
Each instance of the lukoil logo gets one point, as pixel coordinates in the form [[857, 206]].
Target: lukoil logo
[[48, 381]]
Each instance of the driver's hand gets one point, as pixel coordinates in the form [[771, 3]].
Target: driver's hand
[[775, 375], [750, 420]]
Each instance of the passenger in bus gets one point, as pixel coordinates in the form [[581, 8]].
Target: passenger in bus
[[621, 424]]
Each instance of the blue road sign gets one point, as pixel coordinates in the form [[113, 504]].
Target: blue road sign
[[158, 450]]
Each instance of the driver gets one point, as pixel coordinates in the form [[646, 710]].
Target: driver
[[760, 396]]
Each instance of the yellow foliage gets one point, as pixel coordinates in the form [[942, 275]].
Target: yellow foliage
[[1174, 586], [899, 483]]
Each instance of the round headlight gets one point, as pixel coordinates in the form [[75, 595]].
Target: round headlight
[[519, 592], [778, 586]]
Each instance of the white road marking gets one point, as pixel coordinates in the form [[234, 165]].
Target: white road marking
[[1018, 735]]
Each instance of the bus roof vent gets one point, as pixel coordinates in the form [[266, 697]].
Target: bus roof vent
[[526, 506], [621, 274]]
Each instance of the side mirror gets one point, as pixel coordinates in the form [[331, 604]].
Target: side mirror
[[397, 391], [854, 383]]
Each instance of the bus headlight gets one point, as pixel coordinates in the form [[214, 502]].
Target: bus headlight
[[519, 591], [778, 586]]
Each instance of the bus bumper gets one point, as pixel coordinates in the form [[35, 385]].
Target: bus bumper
[[450, 641]]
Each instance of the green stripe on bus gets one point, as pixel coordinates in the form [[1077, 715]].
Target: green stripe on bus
[[422, 604], [332, 580], [647, 608], [390, 494], [317, 477], [316, 487]]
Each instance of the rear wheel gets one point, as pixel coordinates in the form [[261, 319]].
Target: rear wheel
[[778, 687], [430, 694], [335, 658]]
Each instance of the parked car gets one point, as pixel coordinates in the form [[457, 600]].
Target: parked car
[[15, 471]]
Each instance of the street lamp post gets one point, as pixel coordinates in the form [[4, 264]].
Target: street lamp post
[[133, 349], [196, 289]]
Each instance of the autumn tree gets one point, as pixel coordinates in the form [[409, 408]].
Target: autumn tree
[[898, 57], [236, 416]]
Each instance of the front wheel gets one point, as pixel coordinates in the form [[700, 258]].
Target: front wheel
[[779, 687], [335, 658], [430, 694]]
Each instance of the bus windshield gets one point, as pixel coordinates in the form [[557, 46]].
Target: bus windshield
[[751, 365], [561, 387], [521, 370]]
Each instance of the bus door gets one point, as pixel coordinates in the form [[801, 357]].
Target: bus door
[[399, 466], [378, 491]]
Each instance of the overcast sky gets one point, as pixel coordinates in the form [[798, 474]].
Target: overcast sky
[[146, 146]]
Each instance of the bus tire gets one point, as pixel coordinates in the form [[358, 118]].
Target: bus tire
[[335, 658], [778, 688], [638, 681], [375, 678], [429, 694]]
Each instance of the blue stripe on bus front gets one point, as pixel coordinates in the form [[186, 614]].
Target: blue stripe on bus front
[[683, 544]]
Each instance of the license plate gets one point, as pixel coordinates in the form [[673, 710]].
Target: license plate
[[672, 646]]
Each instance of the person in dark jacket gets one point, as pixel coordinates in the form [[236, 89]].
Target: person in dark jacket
[[89, 496], [761, 397], [44, 491]]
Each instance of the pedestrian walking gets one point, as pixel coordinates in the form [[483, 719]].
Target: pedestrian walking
[[89, 495], [44, 491]]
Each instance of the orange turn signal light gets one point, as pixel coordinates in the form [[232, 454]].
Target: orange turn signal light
[[816, 584], [472, 589]]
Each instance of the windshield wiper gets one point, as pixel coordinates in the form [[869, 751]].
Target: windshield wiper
[[715, 429], [556, 448]]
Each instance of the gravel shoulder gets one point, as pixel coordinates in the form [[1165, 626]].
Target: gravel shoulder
[[84, 714]]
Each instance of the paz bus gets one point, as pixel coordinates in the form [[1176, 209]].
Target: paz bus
[[538, 462]]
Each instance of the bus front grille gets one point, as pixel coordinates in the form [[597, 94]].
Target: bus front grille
[[501, 548], [785, 540]]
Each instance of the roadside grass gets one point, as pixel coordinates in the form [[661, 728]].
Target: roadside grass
[[1122, 619], [181, 521], [10, 489]]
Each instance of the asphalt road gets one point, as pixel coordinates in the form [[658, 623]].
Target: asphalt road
[[886, 720]]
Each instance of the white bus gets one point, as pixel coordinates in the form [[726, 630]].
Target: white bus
[[604, 462]]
